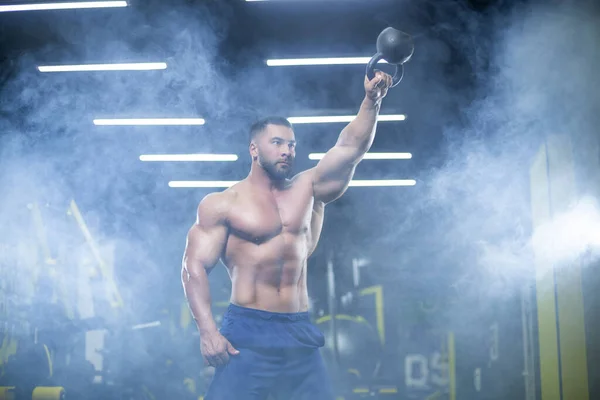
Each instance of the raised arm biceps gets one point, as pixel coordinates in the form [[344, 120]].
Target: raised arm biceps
[[334, 171]]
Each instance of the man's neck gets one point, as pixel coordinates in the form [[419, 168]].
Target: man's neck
[[259, 177]]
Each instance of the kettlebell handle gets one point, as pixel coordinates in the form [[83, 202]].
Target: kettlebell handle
[[371, 69]]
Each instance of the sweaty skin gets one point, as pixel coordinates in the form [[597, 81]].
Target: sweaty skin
[[266, 226], [271, 235]]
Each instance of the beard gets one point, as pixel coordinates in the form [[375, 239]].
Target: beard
[[277, 172]]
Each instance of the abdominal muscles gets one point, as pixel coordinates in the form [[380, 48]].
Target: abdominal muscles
[[270, 275]]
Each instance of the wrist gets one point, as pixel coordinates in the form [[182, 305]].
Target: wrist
[[207, 331], [371, 104], [206, 327]]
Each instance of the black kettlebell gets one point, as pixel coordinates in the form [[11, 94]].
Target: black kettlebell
[[395, 47]]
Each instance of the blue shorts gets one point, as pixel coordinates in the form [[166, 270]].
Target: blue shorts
[[279, 356]]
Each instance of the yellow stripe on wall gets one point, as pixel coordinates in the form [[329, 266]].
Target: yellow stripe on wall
[[452, 365], [561, 322], [571, 320], [546, 301]]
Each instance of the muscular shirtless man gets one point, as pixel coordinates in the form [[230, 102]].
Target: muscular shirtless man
[[264, 228]]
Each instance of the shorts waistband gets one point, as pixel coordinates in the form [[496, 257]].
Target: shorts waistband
[[234, 309]]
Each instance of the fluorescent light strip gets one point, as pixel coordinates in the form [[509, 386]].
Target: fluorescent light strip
[[146, 325], [201, 184], [149, 121], [371, 156], [319, 61], [342, 118], [62, 6], [383, 182], [189, 157], [354, 183], [103, 67]]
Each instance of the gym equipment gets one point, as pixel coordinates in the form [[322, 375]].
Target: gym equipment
[[38, 393], [30, 366], [7, 393], [31, 363], [395, 47], [359, 349], [353, 347], [77, 377], [374, 391]]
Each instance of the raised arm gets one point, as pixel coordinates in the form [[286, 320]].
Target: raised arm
[[205, 243], [335, 170]]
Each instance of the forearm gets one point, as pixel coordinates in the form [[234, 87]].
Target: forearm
[[359, 133], [197, 293]]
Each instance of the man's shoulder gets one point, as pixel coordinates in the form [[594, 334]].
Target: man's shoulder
[[217, 204]]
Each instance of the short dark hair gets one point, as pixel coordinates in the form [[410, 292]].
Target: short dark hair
[[261, 124]]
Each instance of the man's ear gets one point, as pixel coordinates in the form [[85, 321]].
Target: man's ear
[[253, 150]]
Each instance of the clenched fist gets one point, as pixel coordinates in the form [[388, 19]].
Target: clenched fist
[[377, 88], [216, 349]]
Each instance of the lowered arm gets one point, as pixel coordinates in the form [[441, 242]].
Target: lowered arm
[[205, 243]]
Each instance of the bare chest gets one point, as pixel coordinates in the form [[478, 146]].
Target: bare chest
[[260, 216]]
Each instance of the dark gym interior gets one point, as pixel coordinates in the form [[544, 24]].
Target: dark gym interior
[[473, 278]]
